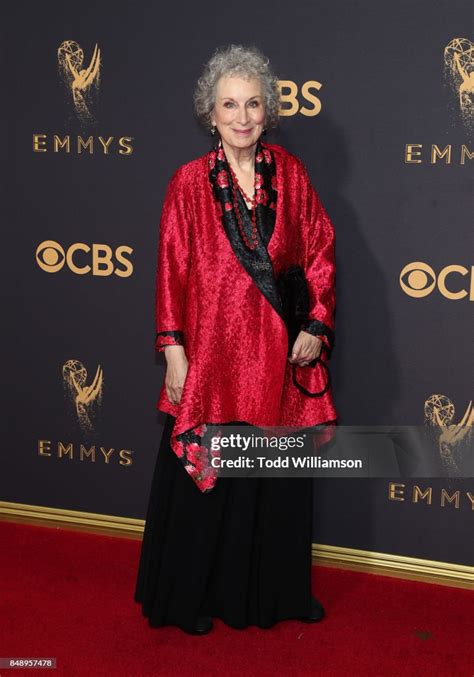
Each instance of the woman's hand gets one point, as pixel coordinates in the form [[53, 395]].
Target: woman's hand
[[176, 370], [305, 349]]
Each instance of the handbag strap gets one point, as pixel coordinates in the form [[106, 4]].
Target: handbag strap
[[316, 361]]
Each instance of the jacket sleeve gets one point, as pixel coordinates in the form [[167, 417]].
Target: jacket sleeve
[[172, 267], [320, 269]]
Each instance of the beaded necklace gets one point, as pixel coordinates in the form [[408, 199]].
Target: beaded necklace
[[236, 186]]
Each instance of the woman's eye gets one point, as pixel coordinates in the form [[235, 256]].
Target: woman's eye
[[229, 104]]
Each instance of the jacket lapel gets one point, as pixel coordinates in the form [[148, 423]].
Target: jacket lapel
[[256, 262]]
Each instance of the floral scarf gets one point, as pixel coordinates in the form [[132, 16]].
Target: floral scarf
[[265, 190]]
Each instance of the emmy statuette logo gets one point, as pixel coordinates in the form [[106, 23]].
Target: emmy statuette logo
[[454, 439], [85, 399], [459, 75], [83, 396], [458, 61], [81, 79], [81, 82]]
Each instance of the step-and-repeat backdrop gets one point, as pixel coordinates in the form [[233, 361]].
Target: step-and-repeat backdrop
[[377, 101]]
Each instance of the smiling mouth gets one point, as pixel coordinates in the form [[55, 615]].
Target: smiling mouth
[[242, 131]]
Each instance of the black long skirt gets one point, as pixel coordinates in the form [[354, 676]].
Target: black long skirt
[[241, 553]]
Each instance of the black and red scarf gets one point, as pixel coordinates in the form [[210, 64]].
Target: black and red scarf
[[265, 189], [257, 261]]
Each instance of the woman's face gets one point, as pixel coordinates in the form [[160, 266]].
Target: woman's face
[[239, 111]]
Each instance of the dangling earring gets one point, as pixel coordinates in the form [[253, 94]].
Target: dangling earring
[[213, 130]]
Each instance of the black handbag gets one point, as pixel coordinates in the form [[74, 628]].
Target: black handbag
[[294, 294]]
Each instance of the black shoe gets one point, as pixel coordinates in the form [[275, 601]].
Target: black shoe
[[317, 612], [202, 626]]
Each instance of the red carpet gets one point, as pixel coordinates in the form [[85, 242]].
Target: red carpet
[[69, 595]]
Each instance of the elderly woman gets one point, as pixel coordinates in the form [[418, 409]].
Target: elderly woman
[[233, 220]]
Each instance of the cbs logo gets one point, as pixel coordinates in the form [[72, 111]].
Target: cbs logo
[[289, 97], [81, 259], [418, 279]]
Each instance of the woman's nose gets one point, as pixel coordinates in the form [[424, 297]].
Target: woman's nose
[[243, 116]]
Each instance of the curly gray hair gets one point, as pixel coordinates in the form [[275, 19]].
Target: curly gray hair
[[247, 62]]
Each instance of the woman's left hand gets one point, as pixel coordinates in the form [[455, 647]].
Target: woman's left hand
[[305, 349]]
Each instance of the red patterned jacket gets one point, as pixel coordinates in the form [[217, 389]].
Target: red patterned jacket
[[235, 341]]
